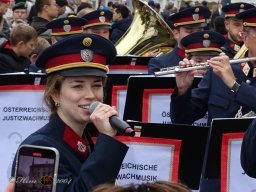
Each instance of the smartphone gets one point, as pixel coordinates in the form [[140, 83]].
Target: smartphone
[[36, 169]]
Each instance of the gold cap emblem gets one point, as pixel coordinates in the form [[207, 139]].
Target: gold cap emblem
[[66, 22], [102, 13], [206, 35], [242, 6], [197, 10], [87, 41]]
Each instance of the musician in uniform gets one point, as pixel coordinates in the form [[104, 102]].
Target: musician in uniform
[[183, 23], [201, 46], [225, 91], [64, 27], [76, 71], [233, 26], [248, 150], [98, 22]]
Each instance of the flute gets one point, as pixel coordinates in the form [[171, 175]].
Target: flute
[[197, 66]]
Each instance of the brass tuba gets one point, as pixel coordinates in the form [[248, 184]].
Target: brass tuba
[[148, 31]]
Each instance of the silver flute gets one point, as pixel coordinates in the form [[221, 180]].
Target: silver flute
[[197, 66]]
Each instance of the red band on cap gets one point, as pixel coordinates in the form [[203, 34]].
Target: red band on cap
[[5, 1], [232, 12], [73, 28], [250, 20], [188, 19], [200, 45], [73, 58], [92, 21]]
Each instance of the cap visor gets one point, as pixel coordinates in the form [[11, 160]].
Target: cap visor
[[83, 72]]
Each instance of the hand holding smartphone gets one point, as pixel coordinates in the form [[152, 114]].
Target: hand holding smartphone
[[36, 169]]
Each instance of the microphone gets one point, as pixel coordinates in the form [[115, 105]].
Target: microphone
[[120, 125]]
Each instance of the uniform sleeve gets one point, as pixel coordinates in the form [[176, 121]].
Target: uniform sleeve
[[248, 150], [153, 66], [246, 96], [191, 106]]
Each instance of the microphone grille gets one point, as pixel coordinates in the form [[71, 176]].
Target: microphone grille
[[92, 106]]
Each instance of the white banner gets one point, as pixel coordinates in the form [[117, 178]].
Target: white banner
[[149, 160], [156, 107], [119, 93], [22, 112], [233, 178]]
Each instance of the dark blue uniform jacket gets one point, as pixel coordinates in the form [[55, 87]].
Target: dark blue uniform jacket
[[101, 166], [168, 60], [248, 150], [214, 96]]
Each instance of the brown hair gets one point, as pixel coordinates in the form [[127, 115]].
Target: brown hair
[[158, 186], [22, 32], [41, 44], [53, 85]]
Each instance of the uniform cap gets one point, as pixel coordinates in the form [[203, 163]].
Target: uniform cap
[[19, 5], [66, 26], [98, 18], [190, 17], [234, 8], [248, 17], [203, 43], [78, 55]]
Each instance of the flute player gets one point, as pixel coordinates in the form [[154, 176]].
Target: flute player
[[225, 91]]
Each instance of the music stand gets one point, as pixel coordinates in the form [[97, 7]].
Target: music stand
[[22, 79], [129, 65], [136, 85], [112, 80], [219, 126], [194, 139]]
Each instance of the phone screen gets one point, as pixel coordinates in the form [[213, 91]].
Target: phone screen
[[36, 169]]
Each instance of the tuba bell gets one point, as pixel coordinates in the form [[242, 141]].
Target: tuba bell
[[147, 32]]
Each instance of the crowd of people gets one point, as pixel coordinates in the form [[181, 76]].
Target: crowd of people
[[53, 20], [73, 44]]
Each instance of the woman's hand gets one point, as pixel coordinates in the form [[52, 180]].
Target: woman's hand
[[100, 118]]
